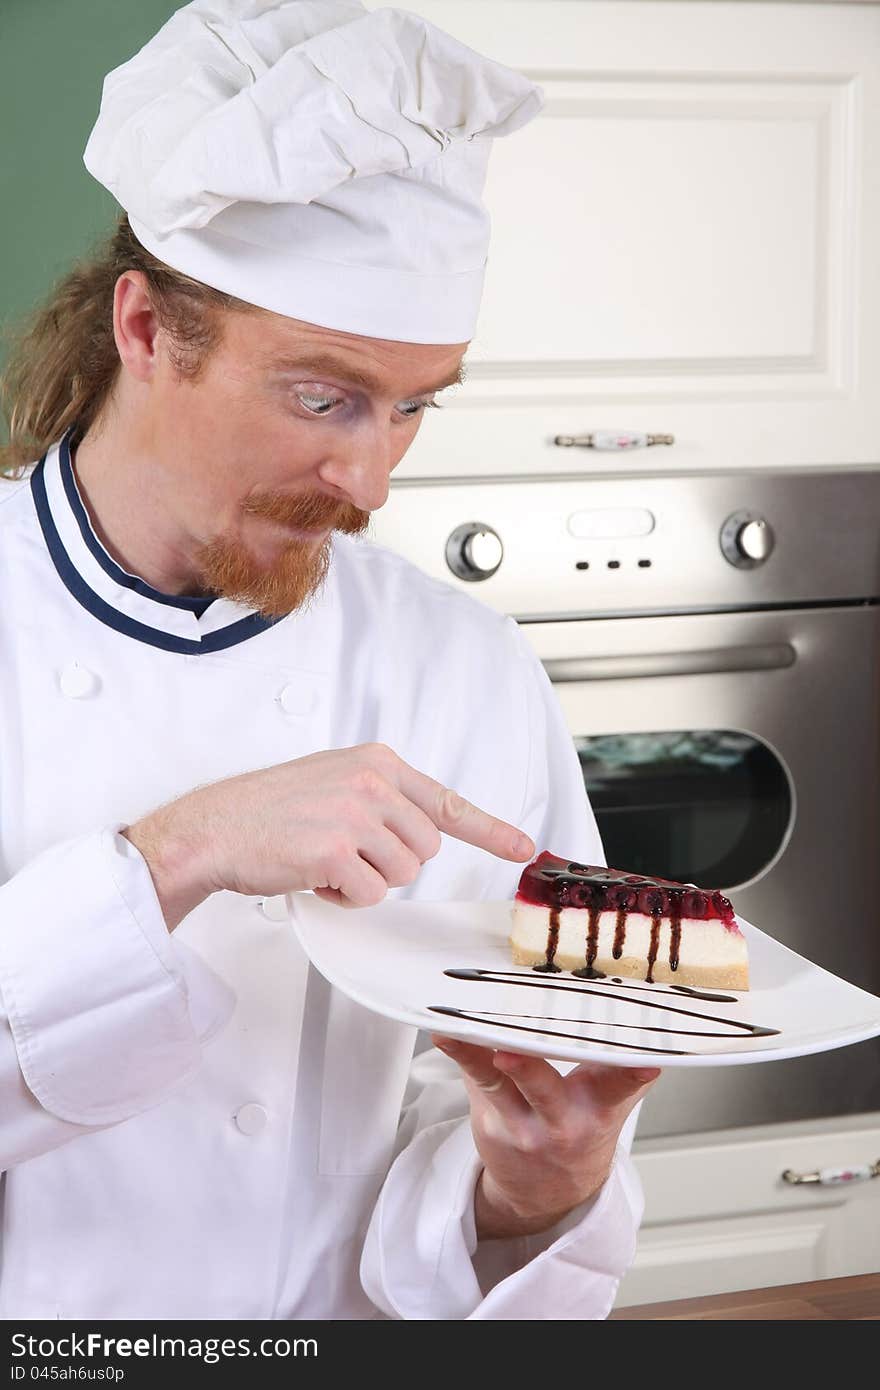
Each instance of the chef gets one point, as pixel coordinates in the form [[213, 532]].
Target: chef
[[216, 692]]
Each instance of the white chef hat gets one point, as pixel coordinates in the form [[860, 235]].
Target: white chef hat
[[313, 158]]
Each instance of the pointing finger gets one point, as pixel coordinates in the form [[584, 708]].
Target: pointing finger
[[455, 816]]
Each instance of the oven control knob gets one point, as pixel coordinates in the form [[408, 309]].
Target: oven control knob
[[474, 551], [747, 540]]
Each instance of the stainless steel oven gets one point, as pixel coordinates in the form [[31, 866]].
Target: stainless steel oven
[[714, 641]]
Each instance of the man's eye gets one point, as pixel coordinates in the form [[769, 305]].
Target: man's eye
[[318, 405], [410, 408]]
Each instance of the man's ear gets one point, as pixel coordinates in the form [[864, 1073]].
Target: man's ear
[[135, 326]]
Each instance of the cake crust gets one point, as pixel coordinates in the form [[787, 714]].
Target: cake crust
[[633, 967]]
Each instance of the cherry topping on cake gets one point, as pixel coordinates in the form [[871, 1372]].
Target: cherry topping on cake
[[557, 883]]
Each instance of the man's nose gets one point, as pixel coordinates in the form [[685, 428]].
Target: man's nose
[[359, 465]]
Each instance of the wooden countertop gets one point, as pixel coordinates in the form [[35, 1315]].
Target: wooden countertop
[[854, 1299]]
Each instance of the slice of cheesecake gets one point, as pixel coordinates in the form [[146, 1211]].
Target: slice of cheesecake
[[594, 921]]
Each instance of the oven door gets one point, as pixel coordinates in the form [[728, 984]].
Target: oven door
[[740, 751]]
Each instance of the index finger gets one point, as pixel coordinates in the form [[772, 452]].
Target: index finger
[[455, 816]]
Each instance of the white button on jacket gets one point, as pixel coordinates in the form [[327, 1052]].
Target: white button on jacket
[[251, 1119], [195, 1124], [78, 683]]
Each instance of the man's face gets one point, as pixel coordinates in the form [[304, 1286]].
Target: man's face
[[290, 432]]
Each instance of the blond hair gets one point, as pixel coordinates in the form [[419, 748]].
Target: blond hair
[[63, 362]]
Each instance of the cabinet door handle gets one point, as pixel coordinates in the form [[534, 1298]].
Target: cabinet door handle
[[835, 1177], [614, 441]]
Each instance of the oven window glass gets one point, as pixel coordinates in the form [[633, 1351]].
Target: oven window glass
[[710, 807]]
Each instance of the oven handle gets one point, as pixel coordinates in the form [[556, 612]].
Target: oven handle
[[764, 656]]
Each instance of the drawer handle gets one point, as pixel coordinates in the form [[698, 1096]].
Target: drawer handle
[[835, 1177], [612, 441]]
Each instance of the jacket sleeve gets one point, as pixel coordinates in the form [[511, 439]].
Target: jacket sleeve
[[421, 1257], [101, 1016]]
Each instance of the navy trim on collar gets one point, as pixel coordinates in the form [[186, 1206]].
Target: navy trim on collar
[[121, 576], [212, 641]]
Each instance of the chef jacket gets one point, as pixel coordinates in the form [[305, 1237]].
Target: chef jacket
[[196, 1124]]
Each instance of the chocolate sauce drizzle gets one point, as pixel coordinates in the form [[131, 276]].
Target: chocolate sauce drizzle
[[587, 972], [629, 1027], [512, 977], [548, 968], [516, 976], [556, 1033], [619, 934]]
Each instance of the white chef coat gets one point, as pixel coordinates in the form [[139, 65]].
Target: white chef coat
[[195, 1124]]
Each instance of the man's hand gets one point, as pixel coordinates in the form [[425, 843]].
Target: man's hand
[[349, 823], [547, 1141]]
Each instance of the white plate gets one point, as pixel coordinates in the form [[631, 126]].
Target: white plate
[[393, 959]]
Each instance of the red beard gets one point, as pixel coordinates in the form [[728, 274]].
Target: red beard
[[228, 568]]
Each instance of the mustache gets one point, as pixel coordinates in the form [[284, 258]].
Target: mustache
[[309, 511]]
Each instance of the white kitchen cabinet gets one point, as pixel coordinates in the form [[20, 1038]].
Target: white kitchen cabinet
[[684, 241], [719, 1217]]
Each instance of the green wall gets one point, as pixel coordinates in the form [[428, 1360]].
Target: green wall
[[54, 55]]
